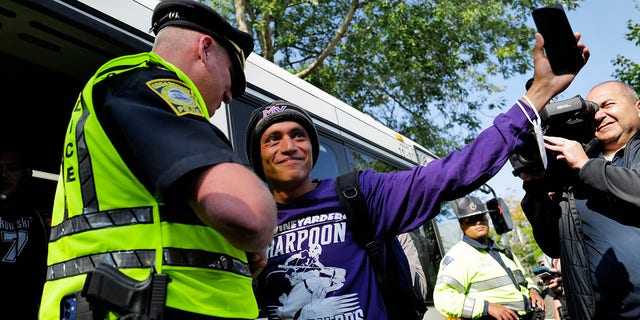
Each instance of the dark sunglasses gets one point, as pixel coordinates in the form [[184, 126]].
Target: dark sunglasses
[[474, 219]]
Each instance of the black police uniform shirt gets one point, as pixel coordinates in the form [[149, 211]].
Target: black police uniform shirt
[[158, 143]]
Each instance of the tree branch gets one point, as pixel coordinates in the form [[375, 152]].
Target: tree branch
[[342, 30], [243, 25]]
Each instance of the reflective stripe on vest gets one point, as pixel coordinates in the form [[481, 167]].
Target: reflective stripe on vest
[[99, 220], [85, 171], [146, 259], [490, 284], [452, 282], [467, 309]]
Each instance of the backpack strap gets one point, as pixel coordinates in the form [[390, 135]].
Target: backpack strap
[[401, 302], [354, 205]]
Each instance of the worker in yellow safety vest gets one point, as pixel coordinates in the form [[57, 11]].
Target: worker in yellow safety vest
[[479, 280]]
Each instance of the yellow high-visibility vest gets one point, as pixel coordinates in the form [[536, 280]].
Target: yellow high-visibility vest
[[104, 214], [469, 277]]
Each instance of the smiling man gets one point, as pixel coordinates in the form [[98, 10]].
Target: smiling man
[[479, 280], [593, 226], [282, 146]]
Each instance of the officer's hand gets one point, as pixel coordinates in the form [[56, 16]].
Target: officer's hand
[[499, 312], [257, 262], [537, 300]]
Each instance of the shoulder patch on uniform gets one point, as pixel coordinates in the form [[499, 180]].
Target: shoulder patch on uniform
[[447, 260], [177, 95]]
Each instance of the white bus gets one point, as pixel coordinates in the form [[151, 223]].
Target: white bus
[[50, 48]]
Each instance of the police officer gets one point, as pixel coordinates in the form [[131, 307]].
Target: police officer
[[147, 183], [479, 280]]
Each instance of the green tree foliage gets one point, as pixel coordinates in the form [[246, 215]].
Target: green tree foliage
[[520, 240], [628, 70], [420, 67]]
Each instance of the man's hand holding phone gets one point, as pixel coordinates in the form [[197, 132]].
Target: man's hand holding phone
[[560, 44], [546, 277], [544, 274], [550, 278]]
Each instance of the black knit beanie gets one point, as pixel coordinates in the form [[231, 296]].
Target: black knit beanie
[[262, 118]]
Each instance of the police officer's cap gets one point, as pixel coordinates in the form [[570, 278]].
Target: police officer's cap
[[196, 16], [469, 206]]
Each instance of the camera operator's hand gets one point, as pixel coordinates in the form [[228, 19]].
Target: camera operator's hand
[[567, 150], [537, 300], [546, 84]]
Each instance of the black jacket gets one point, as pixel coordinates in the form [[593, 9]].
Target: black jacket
[[599, 188]]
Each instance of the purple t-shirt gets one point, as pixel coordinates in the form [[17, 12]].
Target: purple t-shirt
[[316, 270]]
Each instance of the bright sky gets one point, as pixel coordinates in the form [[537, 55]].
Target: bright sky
[[603, 25]]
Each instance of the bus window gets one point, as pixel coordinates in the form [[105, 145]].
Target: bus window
[[359, 161], [448, 226], [239, 118], [327, 165], [428, 250]]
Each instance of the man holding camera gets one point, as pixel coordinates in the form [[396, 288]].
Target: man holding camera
[[593, 222]]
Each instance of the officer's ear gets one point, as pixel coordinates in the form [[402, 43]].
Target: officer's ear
[[205, 45]]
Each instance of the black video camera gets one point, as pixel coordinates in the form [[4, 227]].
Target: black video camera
[[572, 119]]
